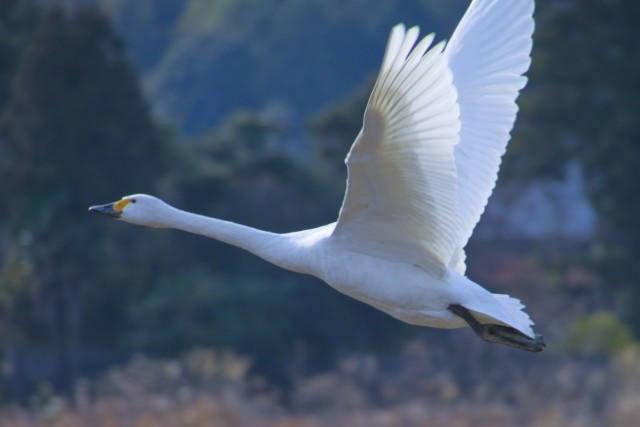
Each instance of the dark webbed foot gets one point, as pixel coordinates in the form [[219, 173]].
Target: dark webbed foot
[[498, 333]]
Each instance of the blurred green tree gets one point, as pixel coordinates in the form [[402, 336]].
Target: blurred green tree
[[75, 127], [333, 130], [231, 54], [18, 19], [599, 334]]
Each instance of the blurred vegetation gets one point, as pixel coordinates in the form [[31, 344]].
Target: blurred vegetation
[[64, 118], [199, 58], [205, 388], [598, 334], [265, 106], [582, 107]]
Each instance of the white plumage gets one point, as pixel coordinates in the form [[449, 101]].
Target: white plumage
[[420, 173]]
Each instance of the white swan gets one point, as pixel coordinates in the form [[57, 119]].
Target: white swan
[[420, 173]]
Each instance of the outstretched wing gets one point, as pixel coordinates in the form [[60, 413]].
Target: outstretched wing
[[401, 202], [488, 54]]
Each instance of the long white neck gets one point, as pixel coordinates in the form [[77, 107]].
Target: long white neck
[[279, 249]]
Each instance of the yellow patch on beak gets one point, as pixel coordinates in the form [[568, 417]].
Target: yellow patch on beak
[[119, 205]]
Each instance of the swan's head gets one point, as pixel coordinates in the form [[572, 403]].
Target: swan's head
[[138, 209]]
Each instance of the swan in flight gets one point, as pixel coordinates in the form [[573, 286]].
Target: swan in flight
[[420, 173]]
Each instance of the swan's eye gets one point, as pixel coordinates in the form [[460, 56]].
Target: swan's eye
[[133, 200]]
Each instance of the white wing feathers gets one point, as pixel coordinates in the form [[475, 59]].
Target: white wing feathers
[[414, 194], [488, 53], [400, 202]]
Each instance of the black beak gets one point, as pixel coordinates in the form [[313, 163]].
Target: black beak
[[106, 210]]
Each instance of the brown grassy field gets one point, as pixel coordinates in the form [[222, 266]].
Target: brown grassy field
[[211, 389]]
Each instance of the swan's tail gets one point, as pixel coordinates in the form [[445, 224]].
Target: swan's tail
[[508, 311], [491, 308]]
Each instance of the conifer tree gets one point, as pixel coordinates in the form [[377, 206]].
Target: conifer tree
[[76, 130]]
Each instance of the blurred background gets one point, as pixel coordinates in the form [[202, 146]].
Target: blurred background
[[244, 110]]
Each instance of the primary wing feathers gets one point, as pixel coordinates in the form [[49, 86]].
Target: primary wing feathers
[[488, 53], [400, 202], [412, 193]]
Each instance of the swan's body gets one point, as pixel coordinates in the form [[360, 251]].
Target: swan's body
[[420, 173]]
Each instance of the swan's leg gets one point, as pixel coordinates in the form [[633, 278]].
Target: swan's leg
[[498, 333]]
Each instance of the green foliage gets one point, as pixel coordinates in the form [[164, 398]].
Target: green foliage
[[202, 59], [334, 129], [241, 168], [598, 334], [18, 282], [17, 23], [250, 314], [74, 97], [75, 127]]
